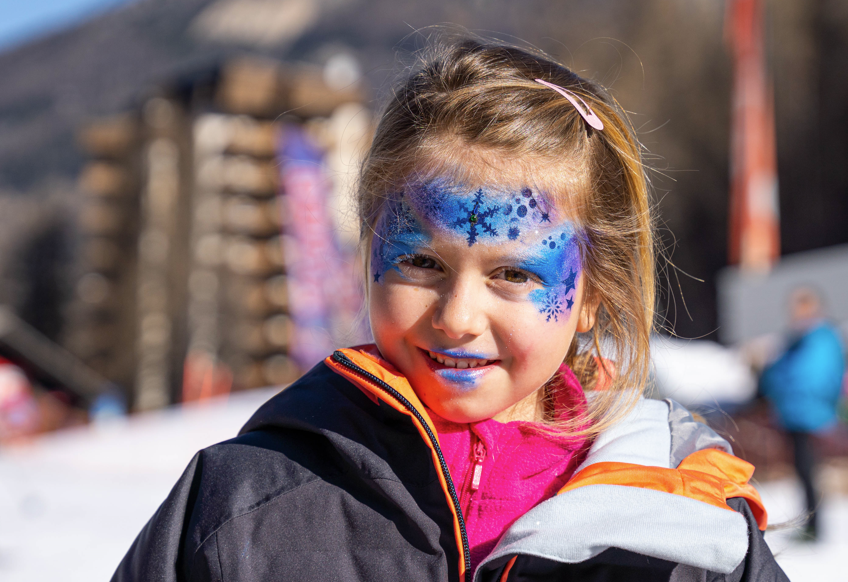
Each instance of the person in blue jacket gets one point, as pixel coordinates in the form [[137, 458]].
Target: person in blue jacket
[[804, 385]]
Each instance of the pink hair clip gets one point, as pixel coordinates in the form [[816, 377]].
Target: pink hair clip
[[585, 111]]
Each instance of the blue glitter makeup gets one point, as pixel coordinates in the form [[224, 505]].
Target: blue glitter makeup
[[481, 215], [547, 248], [557, 263], [398, 233]]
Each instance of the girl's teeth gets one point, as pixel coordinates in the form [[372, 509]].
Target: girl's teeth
[[460, 364]]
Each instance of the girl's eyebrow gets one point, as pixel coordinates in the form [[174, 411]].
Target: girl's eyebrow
[[424, 246], [523, 257]]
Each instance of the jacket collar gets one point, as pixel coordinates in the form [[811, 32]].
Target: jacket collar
[[379, 380], [368, 359]]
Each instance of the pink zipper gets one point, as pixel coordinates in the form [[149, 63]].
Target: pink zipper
[[467, 492], [479, 457]]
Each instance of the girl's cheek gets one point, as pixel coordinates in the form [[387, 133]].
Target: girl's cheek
[[526, 337], [387, 321], [399, 305]]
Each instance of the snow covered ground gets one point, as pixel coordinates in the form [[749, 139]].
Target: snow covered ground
[[823, 561], [71, 503]]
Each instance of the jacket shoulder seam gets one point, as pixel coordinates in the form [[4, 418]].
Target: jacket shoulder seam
[[257, 506]]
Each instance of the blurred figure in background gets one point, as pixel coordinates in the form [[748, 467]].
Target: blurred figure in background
[[804, 385], [19, 415]]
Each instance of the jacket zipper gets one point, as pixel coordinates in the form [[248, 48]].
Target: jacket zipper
[[342, 359], [479, 457], [472, 482]]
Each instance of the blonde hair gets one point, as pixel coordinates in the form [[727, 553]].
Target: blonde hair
[[470, 106]]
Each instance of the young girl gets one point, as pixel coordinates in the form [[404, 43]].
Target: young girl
[[504, 210]]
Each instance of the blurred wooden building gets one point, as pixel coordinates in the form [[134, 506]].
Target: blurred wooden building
[[182, 290]]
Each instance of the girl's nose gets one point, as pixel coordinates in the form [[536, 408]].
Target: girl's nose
[[461, 310]]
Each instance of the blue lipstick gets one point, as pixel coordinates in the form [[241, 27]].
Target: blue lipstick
[[465, 379], [461, 378]]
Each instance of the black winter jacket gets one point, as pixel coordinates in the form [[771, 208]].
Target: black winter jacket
[[340, 478]]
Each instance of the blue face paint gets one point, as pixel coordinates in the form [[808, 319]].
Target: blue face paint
[[548, 247], [480, 215], [397, 234], [556, 261]]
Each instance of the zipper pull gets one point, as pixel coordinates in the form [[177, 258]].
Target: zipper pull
[[479, 457]]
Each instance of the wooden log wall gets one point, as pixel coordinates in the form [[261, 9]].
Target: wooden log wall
[[102, 316], [182, 254], [239, 252]]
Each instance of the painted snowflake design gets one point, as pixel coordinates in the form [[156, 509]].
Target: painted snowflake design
[[556, 301], [552, 306], [476, 217]]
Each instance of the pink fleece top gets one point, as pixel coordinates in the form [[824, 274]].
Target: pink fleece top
[[502, 470]]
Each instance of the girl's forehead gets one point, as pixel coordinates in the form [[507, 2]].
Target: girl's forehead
[[479, 214]]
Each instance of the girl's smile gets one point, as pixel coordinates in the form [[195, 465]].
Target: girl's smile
[[459, 359], [472, 295], [462, 370]]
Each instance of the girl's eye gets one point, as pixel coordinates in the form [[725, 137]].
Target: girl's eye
[[514, 276], [421, 262]]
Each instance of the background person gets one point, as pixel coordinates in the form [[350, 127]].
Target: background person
[[804, 386]]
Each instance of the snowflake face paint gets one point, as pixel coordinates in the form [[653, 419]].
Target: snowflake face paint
[[557, 263], [473, 296], [540, 243], [482, 215]]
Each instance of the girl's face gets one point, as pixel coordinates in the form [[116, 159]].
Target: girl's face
[[475, 296]]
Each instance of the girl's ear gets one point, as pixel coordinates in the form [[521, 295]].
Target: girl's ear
[[588, 312]]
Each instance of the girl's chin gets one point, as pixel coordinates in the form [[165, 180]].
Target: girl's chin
[[459, 402], [462, 412]]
